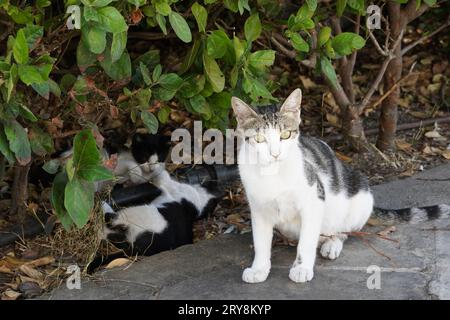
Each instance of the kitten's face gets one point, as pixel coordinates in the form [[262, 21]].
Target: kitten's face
[[270, 133], [149, 149]]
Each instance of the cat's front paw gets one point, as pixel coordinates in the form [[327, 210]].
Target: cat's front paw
[[253, 275], [300, 273]]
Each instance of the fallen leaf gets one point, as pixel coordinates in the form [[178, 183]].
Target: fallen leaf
[[31, 272], [307, 82], [41, 262], [446, 154], [343, 157], [4, 269], [431, 150], [10, 294], [403, 145], [433, 134], [419, 114], [387, 231], [119, 262], [333, 120]]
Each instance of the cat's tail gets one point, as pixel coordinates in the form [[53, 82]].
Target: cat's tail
[[415, 214]]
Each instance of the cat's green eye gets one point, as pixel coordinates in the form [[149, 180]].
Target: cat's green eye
[[285, 134], [259, 138]]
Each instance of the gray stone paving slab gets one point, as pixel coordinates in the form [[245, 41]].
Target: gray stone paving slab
[[414, 266]]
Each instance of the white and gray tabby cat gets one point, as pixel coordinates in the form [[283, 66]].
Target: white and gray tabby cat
[[297, 186]]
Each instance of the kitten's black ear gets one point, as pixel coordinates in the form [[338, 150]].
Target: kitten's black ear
[[292, 103], [242, 110]]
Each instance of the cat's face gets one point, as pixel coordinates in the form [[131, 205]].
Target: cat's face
[[149, 149], [269, 132]]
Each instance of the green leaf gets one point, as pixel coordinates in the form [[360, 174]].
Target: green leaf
[[164, 94], [156, 73], [145, 74], [344, 43], [252, 28], [243, 4], [54, 87], [297, 41], [26, 113], [255, 88], [340, 7], [117, 70], [79, 200], [217, 43], [170, 81], [42, 88], [95, 173], [96, 3], [261, 58], [96, 39], [85, 152], [329, 51], [57, 200], [357, 5], [18, 141], [213, 73], [51, 166], [85, 58], [161, 22], [150, 121], [118, 45], [430, 3], [12, 80], [312, 4], [33, 34], [163, 114], [162, 7], [20, 48], [328, 70], [324, 35], [199, 104], [41, 142], [180, 27], [143, 96], [111, 20], [4, 147], [190, 56], [200, 15], [90, 14], [239, 47]]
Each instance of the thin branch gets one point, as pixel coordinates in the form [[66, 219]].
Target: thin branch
[[290, 53], [400, 127], [353, 56], [380, 74], [426, 37], [377, 44]]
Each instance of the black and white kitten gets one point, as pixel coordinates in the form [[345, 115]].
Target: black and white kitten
[[163, 222], [296, 185]]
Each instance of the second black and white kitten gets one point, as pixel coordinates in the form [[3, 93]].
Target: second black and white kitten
[[162, 222]]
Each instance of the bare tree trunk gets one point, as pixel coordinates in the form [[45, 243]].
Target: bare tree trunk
[[388, 117], [19, 192]]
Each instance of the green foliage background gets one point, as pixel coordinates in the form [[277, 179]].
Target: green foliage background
[[217, 62]]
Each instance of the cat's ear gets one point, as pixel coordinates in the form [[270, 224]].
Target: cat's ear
[[242, 110], [292, 103]]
